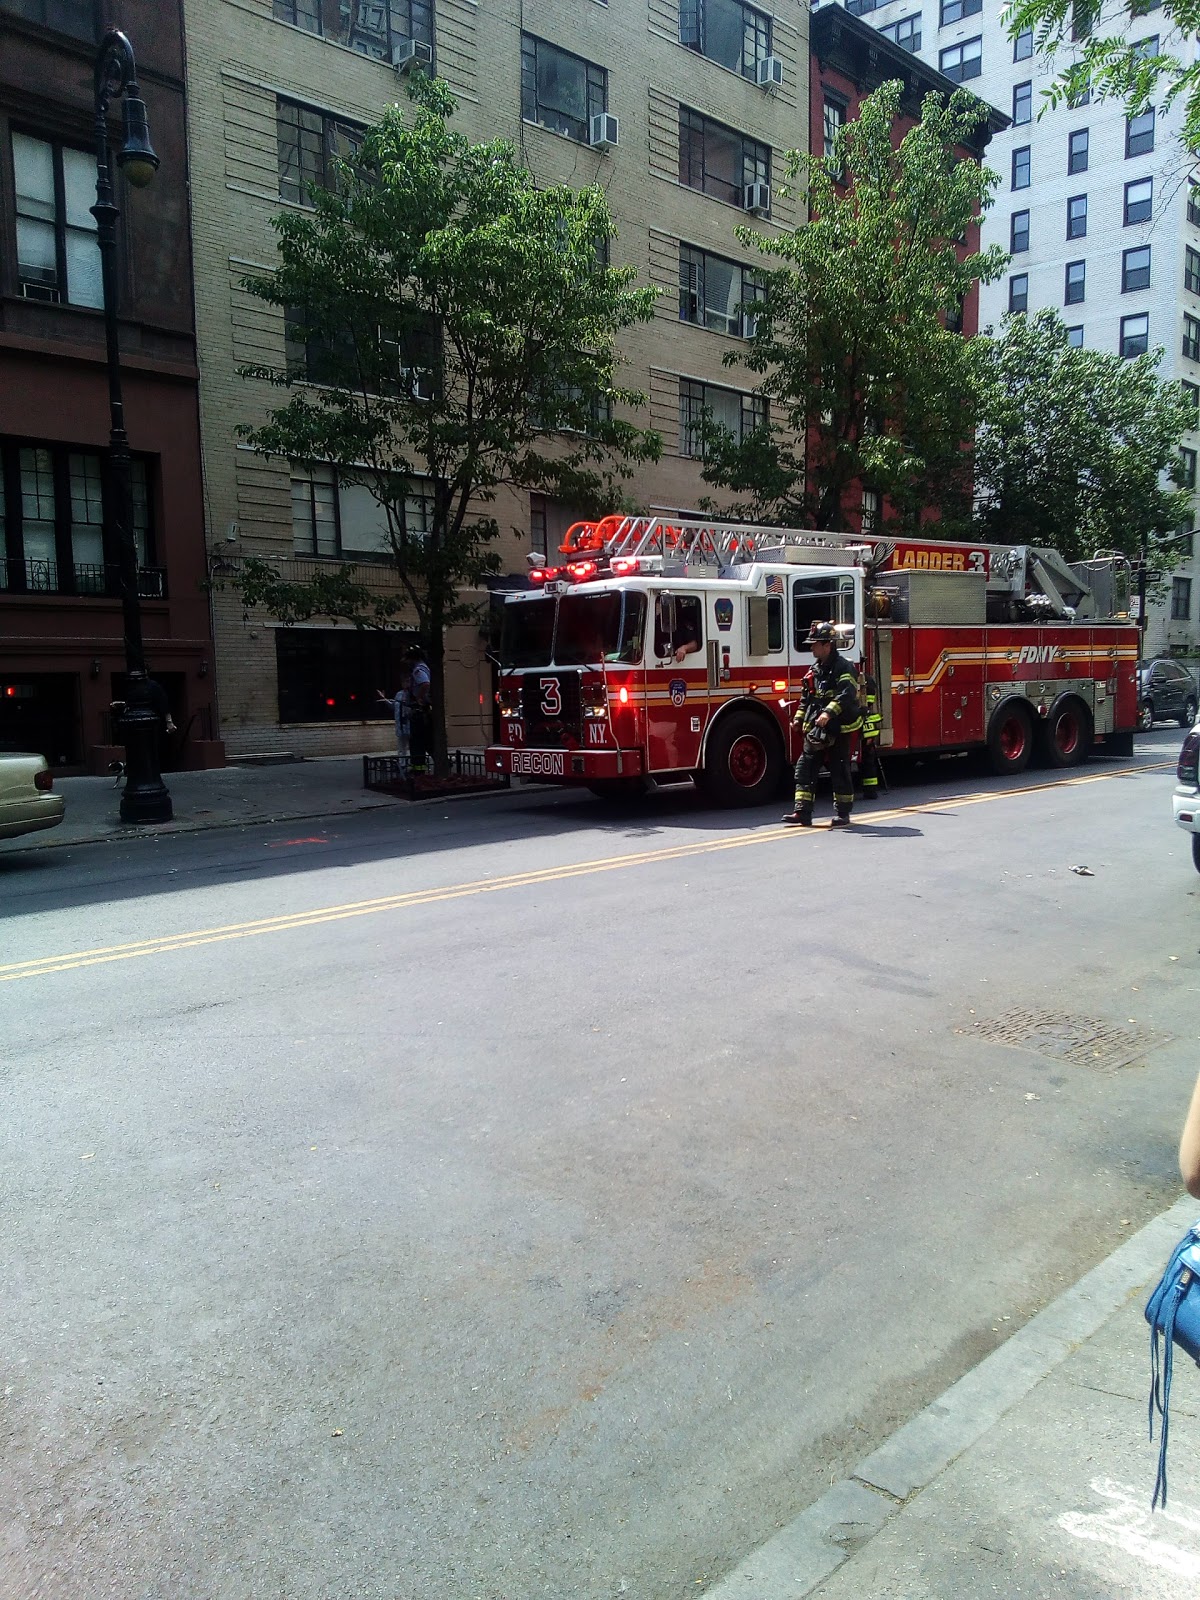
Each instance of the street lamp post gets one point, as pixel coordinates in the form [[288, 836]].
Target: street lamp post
[[146, 798]]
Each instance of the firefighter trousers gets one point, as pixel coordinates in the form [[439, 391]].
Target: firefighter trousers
[[810, 763], [868, 766]]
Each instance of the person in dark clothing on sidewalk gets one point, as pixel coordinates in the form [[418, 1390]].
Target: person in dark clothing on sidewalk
[[420, 712], [829, 716]]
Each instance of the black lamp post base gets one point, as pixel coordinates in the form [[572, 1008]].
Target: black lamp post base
[[146, 802]]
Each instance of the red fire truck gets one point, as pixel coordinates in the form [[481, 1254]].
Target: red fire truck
[[657, 650]]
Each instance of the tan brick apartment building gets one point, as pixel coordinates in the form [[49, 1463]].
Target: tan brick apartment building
[[278, 86]]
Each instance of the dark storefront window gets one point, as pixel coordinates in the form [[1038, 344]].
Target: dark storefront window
[[52, 502], [334, 674]]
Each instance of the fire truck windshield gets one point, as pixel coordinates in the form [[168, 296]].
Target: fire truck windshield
[[576, 630]]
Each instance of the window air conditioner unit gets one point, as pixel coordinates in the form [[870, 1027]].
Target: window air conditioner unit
[[409, 53], [603, 132], [756, 197], [770, 73]]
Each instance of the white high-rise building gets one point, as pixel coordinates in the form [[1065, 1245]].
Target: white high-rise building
[[1097, 211]]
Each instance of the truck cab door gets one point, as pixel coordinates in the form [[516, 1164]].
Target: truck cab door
[[677, 690]]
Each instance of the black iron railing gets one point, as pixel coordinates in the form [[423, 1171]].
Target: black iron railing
[[86, 579], [467, 770]]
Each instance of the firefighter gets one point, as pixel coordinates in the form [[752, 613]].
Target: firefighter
[[829, 715], [872, 727]]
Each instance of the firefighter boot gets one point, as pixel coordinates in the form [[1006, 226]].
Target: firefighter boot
[[842, 819]]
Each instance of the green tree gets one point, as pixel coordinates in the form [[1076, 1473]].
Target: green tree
[[461, 322], [863, 378], [1091, 41], [1075, 448]]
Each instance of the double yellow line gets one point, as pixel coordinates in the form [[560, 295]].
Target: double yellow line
[[167, 943]]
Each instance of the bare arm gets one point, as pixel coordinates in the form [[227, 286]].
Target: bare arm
[[1189, 1145]]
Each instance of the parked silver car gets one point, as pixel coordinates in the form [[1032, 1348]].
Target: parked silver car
[[1186, 799], [27, 798]]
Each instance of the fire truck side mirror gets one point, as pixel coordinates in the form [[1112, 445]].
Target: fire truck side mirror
[[666, 621]]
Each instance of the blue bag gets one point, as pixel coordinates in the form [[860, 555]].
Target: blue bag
[[1173, 1311]]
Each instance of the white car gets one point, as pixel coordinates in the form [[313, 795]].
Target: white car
[[1187, 791], [27, 798]]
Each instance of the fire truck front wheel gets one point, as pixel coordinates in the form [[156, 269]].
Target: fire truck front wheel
[[1066, 734], [743, 765], [1010, 738]]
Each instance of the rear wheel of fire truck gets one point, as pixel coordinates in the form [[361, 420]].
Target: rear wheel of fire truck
[[743, 765], [1066, 734], [619, 788], [1010, 738]]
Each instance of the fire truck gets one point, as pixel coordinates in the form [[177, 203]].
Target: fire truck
[[660, 649]]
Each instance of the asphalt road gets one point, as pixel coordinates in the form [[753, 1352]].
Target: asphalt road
[[525, 1198]]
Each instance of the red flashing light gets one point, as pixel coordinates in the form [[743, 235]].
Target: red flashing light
[[622, 566], [780, 685], [581, 570], [623, 697], [330, 701], [544, 574], [10, 691]]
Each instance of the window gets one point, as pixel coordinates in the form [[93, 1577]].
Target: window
[[1191, 393], [1144, 49], [1075, 337], [1143, 8], [711, 289], [372, 27], [1018, 292], [560, 91], [717, 160], [1181, 598], [1135, 269], [955, 10], [334, 674], [1191, 270], [311, 143], [1077, 217], [1191, 338], [1135, 335], [1018, 232], [1077, 151], [1076, 283], [739, 413], [1185, 476], [1083, 18], [334, 518], [688, 625], [834, 120], [548, 523], [58, 258], [962, 61], [726, 31], [52, 539], [1139, 200], [859, 8], [1139, 134], [825, 599], [1022, 104], [1023, 45], [1079, 88], [76, 17], [906, 33], [871, 507], [1020, 167], [1193, 205]]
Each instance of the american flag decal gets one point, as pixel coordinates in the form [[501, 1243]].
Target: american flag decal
[[774, 583]]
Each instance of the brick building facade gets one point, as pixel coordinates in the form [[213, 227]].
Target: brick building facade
[[61, 637], [268, 78]]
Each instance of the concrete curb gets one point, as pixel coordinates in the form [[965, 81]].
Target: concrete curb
[[799, 1558]]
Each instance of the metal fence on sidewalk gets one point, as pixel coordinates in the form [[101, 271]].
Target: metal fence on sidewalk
[[467, 773]]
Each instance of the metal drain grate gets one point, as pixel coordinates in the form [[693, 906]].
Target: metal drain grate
[[1085, 1042]]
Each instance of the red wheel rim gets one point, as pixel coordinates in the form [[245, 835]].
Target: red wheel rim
[[1012, 739], [1066, 734], [747, 761]]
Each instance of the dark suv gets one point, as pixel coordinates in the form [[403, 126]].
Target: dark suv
[[1165, 691]]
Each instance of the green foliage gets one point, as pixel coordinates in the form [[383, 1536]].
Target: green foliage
[[461, 325], [1101, 59], [851, 342], [1074, 444]]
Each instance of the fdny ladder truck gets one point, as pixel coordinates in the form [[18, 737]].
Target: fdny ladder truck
[[662, 649]]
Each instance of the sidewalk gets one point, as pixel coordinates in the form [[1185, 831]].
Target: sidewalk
[[224, 797], [1029, 1477]]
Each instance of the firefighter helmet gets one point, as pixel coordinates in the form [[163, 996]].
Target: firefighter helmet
[[822, 633]]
